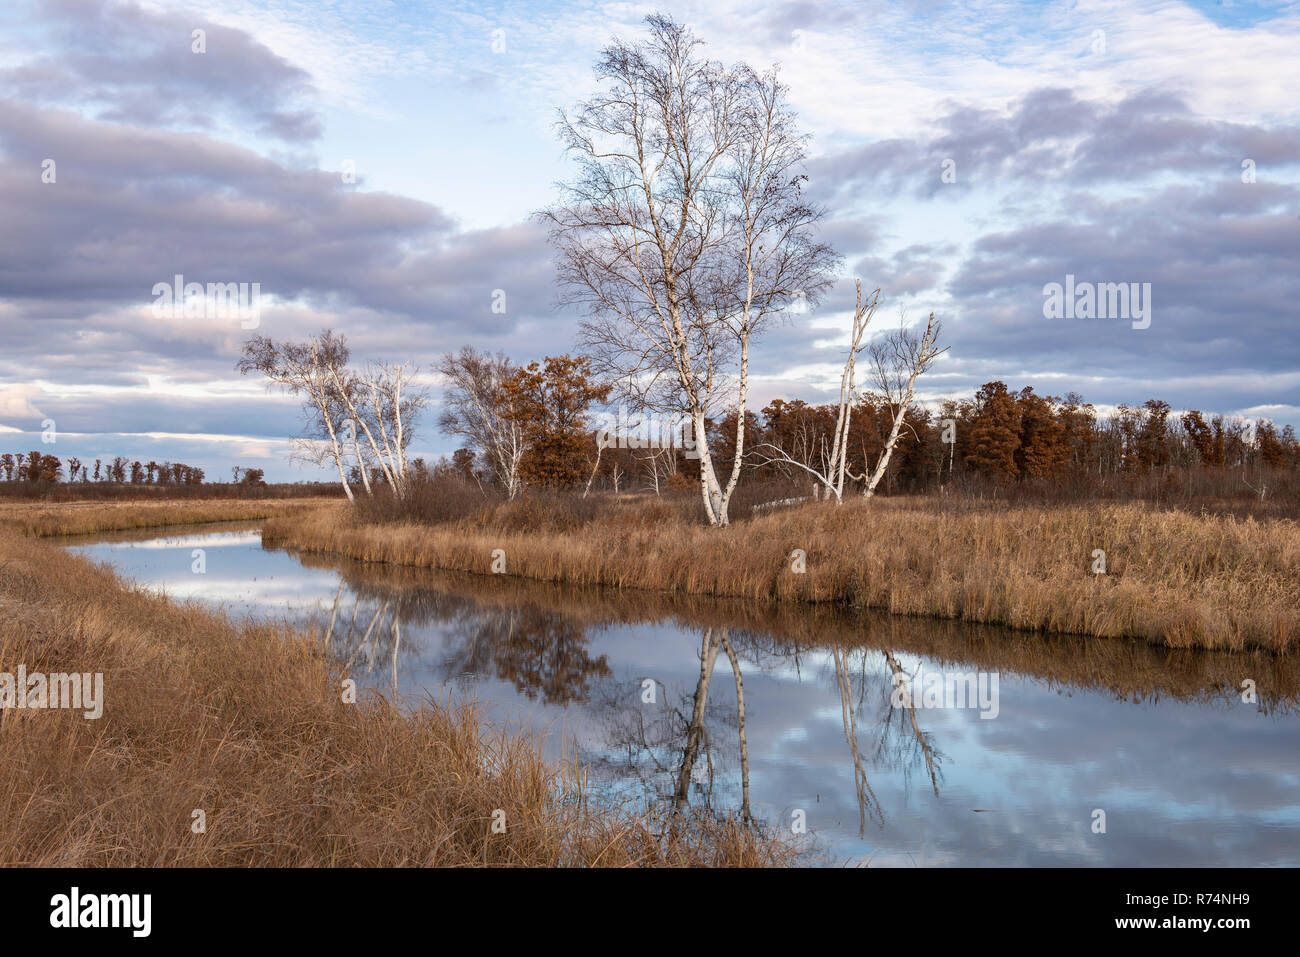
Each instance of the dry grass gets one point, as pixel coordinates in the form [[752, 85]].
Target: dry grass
[[83, 518], [249, 725], [1173, 578], [69, 492]]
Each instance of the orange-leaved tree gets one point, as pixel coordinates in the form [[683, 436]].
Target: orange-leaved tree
[[551, 403]]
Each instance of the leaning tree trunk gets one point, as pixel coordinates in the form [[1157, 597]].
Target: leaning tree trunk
[[883, 464]]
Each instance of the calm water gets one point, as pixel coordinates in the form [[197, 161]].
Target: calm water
[[1185, 771]]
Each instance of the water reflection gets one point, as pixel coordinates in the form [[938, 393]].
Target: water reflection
[[807, 721], [542, 653]]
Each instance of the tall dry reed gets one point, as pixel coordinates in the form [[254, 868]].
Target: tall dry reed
[[84, 518], [1171, 578]]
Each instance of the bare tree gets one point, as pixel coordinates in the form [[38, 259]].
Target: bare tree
[[829, 464], [660, 464], [382, 401], [309, 369], [602, 442], [396, 404], [686, 230], [922, 738], [897, 361], [746, 815], [474, 407]]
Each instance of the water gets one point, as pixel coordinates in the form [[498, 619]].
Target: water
[[1185, 771]]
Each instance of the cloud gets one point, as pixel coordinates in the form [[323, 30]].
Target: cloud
[[131, 208], [16, 403], [141, 67], [1051, 135], [1219, 259]]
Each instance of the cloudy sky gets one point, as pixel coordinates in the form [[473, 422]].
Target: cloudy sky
[[373, 165]]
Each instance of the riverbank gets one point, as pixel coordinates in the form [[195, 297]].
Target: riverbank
[[1129, 670], [1170, 578], [90, 517], [225, 746]]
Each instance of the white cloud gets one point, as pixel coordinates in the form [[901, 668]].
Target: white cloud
[[16, 404]]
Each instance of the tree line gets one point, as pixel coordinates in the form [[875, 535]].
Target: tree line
[[1004, 437], [38, 467], [534, 425], [997, 436]]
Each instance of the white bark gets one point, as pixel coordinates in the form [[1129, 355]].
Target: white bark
[[686, 230], [834, 462], [897, 362]]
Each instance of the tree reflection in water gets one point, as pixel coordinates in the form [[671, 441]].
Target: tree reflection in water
[[690, 744], [540, 652]]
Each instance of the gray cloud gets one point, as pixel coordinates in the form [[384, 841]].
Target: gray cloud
[[917, 269], [131, 208], [1220, 260], [1052, 135], [139, 66]]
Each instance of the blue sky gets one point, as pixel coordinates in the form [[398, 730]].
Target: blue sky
[[1099, 139]]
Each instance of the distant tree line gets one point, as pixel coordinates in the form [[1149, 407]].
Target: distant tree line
[[1006, 436], [533, 426], [39, 467]]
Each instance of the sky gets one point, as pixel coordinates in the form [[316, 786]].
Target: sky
[[374, 166]]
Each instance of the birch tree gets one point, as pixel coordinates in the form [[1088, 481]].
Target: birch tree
[[383, 402], [475, 407], [686, 232], [832, 461], [897, 361], [308, 369]]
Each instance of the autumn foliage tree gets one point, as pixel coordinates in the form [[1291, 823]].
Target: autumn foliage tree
[[551, 402], [1043, 450], [1201, 436], [994, 434]]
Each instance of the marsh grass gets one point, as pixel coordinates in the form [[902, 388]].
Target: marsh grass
[[126, 492], [1172, 578], [88, 517], [249, 725]]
